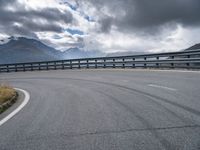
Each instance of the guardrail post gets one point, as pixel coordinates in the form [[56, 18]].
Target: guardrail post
[[104, 65], [47, 68], [54, 65], [39, 66], [23, 67], [157, 64], [87, 64], [62, 63], [133, 66], [31, 67], [188, 64], [145, 65], [70, 64], [95, 63], [79, 65], [172, 64], [113, 63], [16, 68], [123, 65], [7, 68]]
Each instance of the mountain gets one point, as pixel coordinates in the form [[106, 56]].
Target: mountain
[[125, 53], [20, 49], [72, 53], [196, 46]]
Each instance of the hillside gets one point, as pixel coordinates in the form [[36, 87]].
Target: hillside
[[20, 49], [26, 50], [196, 46], [16, 50]]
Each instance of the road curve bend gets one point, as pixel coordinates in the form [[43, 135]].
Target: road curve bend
[[105, 109]]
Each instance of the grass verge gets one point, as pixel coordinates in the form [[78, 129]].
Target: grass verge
[[8, 96]]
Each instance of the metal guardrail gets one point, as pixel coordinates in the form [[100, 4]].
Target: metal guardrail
[[184, 59]]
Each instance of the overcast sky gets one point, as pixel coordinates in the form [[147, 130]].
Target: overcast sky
[[107, 25]]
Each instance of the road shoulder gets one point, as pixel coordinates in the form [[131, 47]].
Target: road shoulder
[[22, 100]]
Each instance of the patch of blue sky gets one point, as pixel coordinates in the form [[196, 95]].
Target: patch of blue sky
[[74, 31], [73, 7], [88, 18]]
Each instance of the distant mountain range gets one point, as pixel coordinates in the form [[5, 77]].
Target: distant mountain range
[[72, 53], [26, 50], [196, 46], [16, 50], [21, 49], [125, 53]]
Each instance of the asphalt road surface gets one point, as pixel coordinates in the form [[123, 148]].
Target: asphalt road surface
[[105, 110]]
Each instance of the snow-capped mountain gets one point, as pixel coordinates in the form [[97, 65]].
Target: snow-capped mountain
[[26, 50], [20, 49]]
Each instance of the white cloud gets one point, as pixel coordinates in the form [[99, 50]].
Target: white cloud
[[36, 4], [117, 39]]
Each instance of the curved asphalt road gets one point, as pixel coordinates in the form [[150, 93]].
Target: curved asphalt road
[[105, 109]]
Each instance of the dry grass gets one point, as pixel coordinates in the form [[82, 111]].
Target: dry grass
[[6, 93]]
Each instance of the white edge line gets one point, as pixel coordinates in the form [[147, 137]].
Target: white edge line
[[163, 87], [25, 101]]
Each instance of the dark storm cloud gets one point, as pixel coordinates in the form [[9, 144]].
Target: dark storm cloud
[[106, 24], [6, 2], [149, 15], [25, 22]]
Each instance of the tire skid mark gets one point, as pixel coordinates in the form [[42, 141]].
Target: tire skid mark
[[178, 116], [150, 97], [163, 141], [102, 132], [149, 127], [191, 110]]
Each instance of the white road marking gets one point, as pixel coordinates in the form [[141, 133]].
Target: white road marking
[[163, 87], [25, 101]]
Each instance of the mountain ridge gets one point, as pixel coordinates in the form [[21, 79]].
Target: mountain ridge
[[194, 47], [21, 49], [26, 50]]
